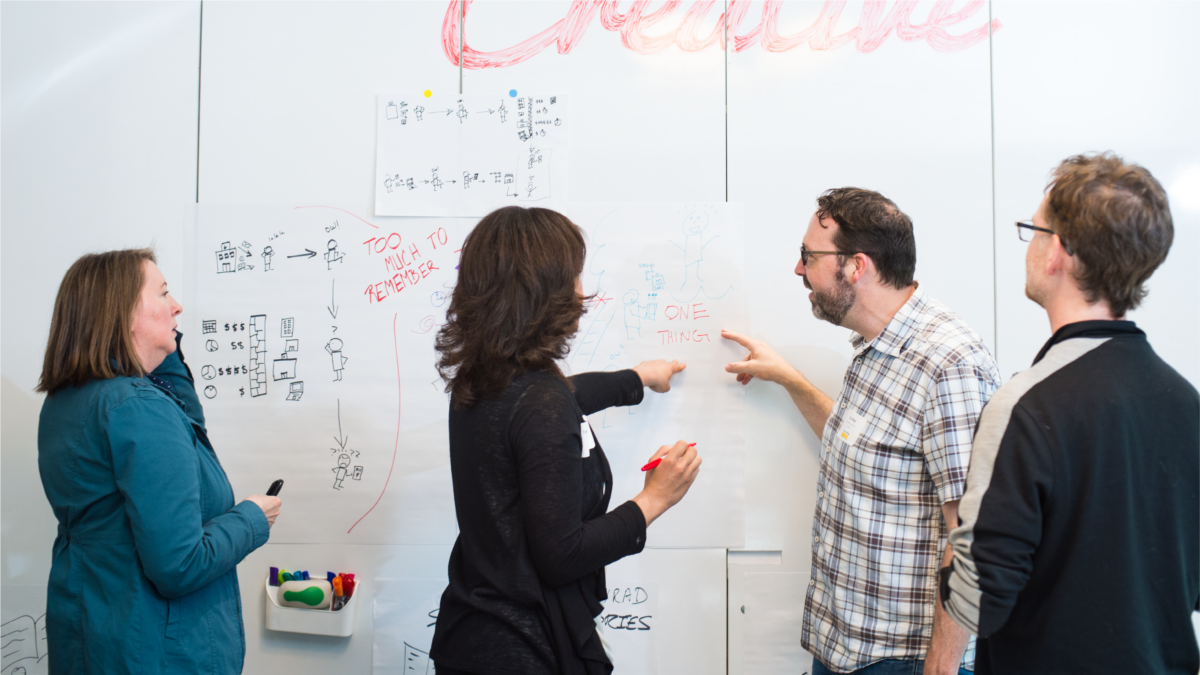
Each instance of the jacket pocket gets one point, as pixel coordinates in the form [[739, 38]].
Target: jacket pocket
[[174, 608]]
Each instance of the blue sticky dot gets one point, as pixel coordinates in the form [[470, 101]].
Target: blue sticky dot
[[512, 93]]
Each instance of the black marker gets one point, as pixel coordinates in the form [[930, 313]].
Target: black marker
[[275, 488]]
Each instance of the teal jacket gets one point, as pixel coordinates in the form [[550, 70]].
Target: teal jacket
[[143, 578]]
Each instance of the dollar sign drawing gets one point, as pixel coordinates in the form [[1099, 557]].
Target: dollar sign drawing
[[242, 390]]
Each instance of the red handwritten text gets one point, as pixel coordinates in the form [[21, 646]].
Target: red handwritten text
[[401, 263], [683, 312], [874, 27], [673, 336]]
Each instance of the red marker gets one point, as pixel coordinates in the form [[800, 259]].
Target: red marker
[[656, 462]]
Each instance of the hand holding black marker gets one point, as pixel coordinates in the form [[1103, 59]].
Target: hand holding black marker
[[269, 503]]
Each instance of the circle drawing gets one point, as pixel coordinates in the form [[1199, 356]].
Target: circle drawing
[[208, 372], [210, 391], [211, 345]]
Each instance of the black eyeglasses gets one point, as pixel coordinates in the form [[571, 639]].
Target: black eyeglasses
[[1025, 229], [805, 254]]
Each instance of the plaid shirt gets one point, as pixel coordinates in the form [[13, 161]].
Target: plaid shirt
[[896, 447]]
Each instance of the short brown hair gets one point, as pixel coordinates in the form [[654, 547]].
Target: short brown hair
[[91, 331], [514, 308], [872, 224], [1116, 219]]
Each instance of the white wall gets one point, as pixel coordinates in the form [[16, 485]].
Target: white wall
[[99, 152]]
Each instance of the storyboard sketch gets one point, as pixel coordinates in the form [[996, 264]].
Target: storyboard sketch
[[405, 615], [467, 155], [318, 367], [664, 279], [23, 630]]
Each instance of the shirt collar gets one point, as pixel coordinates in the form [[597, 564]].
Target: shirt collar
[[896, 335], [1091, 329]]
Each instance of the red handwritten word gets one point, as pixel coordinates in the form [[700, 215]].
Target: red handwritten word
[[398, 282], [874, 27], [673, 336], [401, 263], [439, 237], [683, 312]]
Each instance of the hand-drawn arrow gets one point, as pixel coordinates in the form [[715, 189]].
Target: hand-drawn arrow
[[341, 441], [333, 300], [480, 112], [309, 254]]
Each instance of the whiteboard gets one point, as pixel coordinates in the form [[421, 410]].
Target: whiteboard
[[311, 333]]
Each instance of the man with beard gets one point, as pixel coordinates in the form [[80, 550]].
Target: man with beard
[[1079, 548], [895, 443]]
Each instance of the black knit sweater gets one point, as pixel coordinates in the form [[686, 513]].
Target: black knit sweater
[[527, 571]]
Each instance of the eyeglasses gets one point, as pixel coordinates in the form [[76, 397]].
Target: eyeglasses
[[805, 254], [1025, 229]]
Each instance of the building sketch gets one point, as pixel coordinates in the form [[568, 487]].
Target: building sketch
[[258, 355], [226, 258], [283, 368]]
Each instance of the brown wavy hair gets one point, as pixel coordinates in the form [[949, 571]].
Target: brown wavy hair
[[91, 331], [1117, 219], [514, 308]]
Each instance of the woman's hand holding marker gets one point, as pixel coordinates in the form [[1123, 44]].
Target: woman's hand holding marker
[[676, 468]]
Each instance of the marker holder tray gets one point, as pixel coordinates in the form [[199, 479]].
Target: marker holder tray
[[311, 621]]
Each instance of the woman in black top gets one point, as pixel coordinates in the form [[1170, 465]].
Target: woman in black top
[[531, 485]]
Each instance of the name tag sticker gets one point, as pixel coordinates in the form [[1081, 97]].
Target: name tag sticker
[[589, 441], [852, 425]]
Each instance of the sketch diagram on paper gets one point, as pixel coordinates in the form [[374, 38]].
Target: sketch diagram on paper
[[332, 255], [417, 661], [232, 259], [474, 139], [334, 347], [258, 355], [693, 245], [343, 470], [24, 644]]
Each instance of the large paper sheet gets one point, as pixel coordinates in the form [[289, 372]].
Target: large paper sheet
[[666, 279], [405, 616], [23, 630], [310, 331], [774, 621], [467, 155]]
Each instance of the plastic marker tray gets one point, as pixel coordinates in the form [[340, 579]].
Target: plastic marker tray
[[311, 621]]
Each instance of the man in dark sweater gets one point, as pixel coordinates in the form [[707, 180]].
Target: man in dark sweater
[[1078, 549]]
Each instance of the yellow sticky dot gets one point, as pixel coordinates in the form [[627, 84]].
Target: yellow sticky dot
[[428, 93]]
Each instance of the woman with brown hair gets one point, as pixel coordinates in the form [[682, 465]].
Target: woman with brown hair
[[531, 483], [143, 577]]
